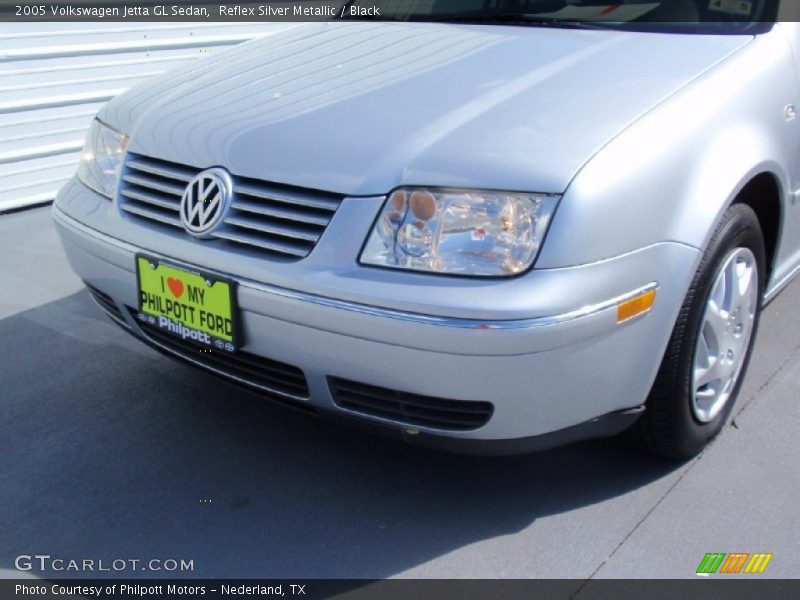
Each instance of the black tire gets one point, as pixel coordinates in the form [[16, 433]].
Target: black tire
[[668, 426]]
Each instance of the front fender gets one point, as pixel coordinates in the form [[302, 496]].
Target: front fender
[[671, 175]]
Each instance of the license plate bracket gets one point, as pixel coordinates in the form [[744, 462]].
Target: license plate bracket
[[188, 303]]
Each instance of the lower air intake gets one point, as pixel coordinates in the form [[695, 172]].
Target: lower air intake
[[409, 409], [263, 373], [106, 303]]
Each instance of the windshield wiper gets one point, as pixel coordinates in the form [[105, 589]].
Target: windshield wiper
[[523, 19], [489, 19], [478, 18]]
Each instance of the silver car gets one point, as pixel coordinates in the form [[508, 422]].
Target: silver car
[[491, 232]]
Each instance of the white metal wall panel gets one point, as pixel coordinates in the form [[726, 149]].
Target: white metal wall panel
[[55, 76]]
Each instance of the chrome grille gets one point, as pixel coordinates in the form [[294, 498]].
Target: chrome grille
[[264, 217]]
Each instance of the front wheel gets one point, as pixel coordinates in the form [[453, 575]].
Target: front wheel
[[709, 350]]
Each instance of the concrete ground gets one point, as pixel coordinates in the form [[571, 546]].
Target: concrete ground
[[108, 450]]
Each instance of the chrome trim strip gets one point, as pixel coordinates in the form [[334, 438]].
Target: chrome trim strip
[[148, 198], [150, 214], [167, 188], [287, 213], [455, 322], [286, 197], [250, 239], [140, 164], [285, 230], [375, 311]]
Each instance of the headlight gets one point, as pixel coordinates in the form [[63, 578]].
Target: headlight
[[459, 231], [102, 157]]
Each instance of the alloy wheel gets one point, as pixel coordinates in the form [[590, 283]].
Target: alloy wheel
[[725, 331]]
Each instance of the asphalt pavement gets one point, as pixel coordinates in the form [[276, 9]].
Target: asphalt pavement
[[109, 450]]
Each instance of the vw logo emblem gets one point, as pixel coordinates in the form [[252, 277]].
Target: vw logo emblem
[[205, 201]]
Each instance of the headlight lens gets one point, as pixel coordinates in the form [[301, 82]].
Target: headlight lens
[[460, 231], [102, 158]]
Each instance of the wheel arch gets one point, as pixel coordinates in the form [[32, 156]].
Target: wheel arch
[[762, 193]]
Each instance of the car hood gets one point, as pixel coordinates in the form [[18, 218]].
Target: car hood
[[360, 108]]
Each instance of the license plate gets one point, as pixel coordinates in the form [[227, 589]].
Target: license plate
[[193, 306]]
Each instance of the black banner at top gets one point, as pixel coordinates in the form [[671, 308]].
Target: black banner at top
[[727, 14], [151, 10]]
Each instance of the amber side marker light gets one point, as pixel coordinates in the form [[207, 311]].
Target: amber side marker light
[[638, 305]]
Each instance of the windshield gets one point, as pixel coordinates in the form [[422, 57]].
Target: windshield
[[703, 16]]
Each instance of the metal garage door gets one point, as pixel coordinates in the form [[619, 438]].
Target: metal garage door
[[55, 76]]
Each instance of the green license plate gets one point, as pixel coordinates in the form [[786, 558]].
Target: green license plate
[[193, 306]]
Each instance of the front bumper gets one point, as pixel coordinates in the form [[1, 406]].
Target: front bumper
[[576, 373]]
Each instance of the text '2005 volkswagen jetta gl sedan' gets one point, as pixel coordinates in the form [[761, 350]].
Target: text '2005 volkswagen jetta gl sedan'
[[484, 231]]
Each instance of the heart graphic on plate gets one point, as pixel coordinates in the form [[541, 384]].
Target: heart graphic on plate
[[175, 286]]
